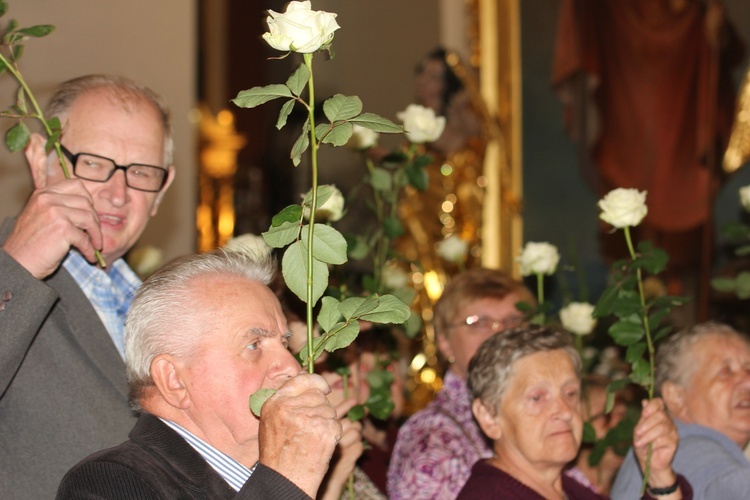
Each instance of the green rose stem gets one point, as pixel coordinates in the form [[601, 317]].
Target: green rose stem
[[649, 343], [314, 158], [540, 296], [40, 117]]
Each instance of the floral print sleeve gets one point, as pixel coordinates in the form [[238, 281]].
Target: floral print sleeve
[[437, 447]]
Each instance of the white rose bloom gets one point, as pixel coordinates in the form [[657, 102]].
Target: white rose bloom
[[300, 29], [421, 123], [538, 258], [452, 249], [623, 207], [577, 318], [362, 138], [394, 277], [745, 197], [250, 244], [332, 210]]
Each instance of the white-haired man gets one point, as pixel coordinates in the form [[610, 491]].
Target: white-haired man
[[703, 375], [203, 334]]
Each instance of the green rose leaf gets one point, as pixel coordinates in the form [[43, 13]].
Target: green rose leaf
[[341, 107], [301, 144], [626, 333], [641, 372], [298, 80], [38, 31], [380, 405], [356, 413], [663, 332], [418, 177], [340, 336], [290, 213], [392, 227], [377, 123], [380, 380], [21, 101], [17, 137], [606, 303], [258, 399], [329, 245], [743, 285], [329, 314], [635, 352], [589, 434], [286, 110], [724, 285], [294, 269], [356, 247], [413, 325], [259, 95], [656, 318], [281, 236], [381, 179], [3, 8], [324, 193], [390, 309], [355, 307], [337, 135]]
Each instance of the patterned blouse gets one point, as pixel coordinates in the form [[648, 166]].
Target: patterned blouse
[[437, 446]]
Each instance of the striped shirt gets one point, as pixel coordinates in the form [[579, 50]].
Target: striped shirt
[[228, 468], [111, 293]]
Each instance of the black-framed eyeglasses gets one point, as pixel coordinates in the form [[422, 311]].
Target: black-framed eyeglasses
[[97, 168], [482, 323]]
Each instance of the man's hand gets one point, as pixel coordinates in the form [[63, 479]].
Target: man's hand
[[56, 218], [299, 431]]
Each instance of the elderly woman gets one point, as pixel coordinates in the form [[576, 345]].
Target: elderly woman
[[526, 385], [436, 448]]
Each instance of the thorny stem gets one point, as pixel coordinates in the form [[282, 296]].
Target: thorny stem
[[650, 345], [40, 117]]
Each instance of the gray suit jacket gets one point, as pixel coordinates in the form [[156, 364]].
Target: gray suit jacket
[[63, 390]]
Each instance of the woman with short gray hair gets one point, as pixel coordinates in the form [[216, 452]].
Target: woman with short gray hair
[[526, 390]]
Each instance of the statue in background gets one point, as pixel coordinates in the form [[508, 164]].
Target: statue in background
[[649, 99]]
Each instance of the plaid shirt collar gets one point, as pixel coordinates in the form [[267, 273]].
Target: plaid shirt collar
[[111, 293]]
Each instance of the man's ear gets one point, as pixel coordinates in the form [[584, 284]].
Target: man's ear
[[674, 399], [36, 155], [487, 419], [160, 195], [167, 376]]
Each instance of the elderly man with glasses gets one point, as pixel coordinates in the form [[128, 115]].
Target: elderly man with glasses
[[63, 391]]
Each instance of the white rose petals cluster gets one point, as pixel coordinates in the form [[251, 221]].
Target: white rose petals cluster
[[745, 197], [538, 258], [332, 210], [250, 244], [452, 249], [577, 318], [300, 29], [421, 124], [362, 138], [623, 207]]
